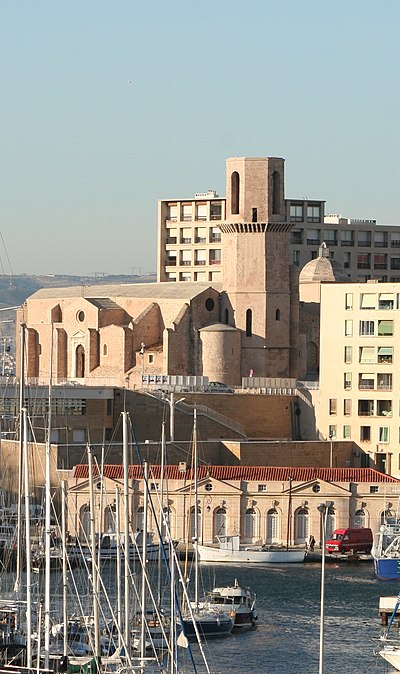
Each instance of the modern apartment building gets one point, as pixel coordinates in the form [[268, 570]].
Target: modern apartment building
[[359, 387], [364, 248]]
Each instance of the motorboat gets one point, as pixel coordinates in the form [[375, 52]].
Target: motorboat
[[230, 550], [238, 601], [386, 550]]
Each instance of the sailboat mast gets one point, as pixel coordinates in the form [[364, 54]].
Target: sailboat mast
[[28, 545], [47, 513], [160, 548], [196, 513], [17, 585], [144, 556], [64, 563], [125, 448], [118, 535], [93, 557]]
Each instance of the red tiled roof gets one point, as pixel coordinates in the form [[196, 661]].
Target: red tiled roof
[[248, 473]]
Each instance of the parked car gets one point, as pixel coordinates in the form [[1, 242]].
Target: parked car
[[350, 540], [218, 387]]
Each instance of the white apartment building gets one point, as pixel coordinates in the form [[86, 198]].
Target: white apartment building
[[359, 387]]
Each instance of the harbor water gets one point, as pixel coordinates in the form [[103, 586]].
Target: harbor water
[[286, 639]]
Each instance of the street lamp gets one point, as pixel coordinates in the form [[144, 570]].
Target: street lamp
[[324, 510]]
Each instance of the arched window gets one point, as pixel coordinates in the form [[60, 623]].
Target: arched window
[[80, 361], [387, 514], [226, 316], [85, 523], [276, 189], [192, 523], [249, 323], [250, 525], [277, 315], [166, 519], [109, 519], [235, 190], [359, 518], [272, 533], [301, 526], [220, 522]]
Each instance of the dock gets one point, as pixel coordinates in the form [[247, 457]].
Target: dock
[[386, 607]]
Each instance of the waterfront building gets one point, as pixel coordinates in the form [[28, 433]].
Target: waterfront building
[[267, 505], [359, 385]]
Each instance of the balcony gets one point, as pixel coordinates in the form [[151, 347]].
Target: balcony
[[381, 244], [172, 239], [215, 238], [331, 242], [200, 262], [186, 240], [363, 265], [200, 239], [312, 242], [395, 243], [171, 262], [213, 261], [379, 265], [186, 263], [364, 244]]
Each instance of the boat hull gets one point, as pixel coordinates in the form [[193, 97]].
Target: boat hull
[[250, 555], [210, 626], [387, 568]]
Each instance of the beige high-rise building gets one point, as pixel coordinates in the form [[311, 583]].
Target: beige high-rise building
[[359, 383]]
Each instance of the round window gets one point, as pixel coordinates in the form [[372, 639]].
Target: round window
[[209, 304], [316, 488], [208, 486], [81, 316]]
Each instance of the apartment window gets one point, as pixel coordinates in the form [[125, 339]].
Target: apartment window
[[215, 256], [186, 212], [347, 407], [363, 261], [332, 405], [78, 435], [200, 257], [381, 239], [366, 381], [186, 235], [172, 235], [384, 408], [201, 235], [385, 354], [313, 237], [347, 237], [348, 354], [346, 260], [330, 237], [347, 380], [364, 239], [348, 328], [201, 212], [374, 489], [171, 259], [386, 301], [395, 263], [365, 433], [385, 328], [172, 212], [296, 257], [368, 301], [366, 328], [365, 408], [384, 381], [185, 276], [348, 303], [314, 254], [380, 261], [346, 432], [332, 431], [186, 258], [383, 434], [296, 237], [215, 235], [216, 210], [313, 213], [367, 354], [296, 212]]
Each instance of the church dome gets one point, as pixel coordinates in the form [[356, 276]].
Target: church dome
[[323, 269]]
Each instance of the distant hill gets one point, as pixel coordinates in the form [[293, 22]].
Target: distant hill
[[15, 289]]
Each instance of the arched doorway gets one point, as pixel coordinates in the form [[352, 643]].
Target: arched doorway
[[301, 526], [272, 533], [220, 522], [330, 523], [80, 361], [109, 519], [360, 518], [250, 525], [192, 523]]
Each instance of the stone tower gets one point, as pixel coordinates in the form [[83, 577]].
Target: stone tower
[[261, 289]]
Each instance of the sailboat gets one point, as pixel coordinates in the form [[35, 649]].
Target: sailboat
[[391, 651], [210, 619]]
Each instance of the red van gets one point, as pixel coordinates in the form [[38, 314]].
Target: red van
[[350, 540]]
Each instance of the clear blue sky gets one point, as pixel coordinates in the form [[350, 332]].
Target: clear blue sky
[[107, 106]]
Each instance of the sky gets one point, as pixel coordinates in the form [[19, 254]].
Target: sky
[[108, 106]]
